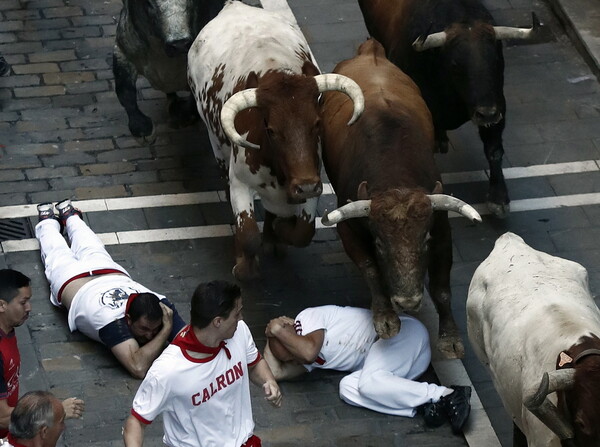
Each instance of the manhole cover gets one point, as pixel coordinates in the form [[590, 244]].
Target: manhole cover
[[14, 229]]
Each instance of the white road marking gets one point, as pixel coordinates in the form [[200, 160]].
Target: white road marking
[[129, 203]]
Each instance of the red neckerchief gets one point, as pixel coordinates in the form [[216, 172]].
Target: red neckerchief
[[187, 341], [132, 297], [13, 442]]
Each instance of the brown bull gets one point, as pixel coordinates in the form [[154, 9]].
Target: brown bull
[[395, 227]]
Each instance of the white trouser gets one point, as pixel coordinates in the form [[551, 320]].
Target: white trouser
[[61, 262], [386, 382]]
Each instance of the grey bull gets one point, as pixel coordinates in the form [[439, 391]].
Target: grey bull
[[153, 38]]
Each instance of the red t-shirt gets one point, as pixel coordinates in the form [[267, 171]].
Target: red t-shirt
[[10, 364]]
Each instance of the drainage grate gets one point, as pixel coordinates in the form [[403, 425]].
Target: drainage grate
[[15, 229]]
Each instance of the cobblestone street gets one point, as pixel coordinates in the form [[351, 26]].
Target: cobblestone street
[[64, 134]]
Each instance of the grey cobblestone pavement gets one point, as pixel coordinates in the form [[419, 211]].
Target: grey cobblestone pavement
[[64, 134]]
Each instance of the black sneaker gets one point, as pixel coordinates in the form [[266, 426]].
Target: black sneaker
[[65, 210], [433, 414], [457, 406], [45, 211]]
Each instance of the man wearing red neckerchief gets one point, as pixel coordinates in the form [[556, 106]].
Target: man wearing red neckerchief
[[200, 383]]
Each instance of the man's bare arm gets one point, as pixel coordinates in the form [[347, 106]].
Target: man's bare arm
[[133, 432], [261, 375], [5, 412], [282, 370], [138, 359], [305, 348]]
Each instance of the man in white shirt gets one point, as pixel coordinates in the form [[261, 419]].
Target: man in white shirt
[[200, 383], [384, 371], [102, 301]]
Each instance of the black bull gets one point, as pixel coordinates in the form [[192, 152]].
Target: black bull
[[453, 52], [152, 40], [395, 227]]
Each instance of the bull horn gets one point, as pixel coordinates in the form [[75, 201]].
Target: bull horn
[[507, 32], [330, 81], [449, 203], [242, 100], [538, 403], [434, 40], [360, 208]]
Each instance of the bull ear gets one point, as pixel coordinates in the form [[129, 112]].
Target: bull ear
[[438, 188], [252, 80], [309, 69], [362, 193]]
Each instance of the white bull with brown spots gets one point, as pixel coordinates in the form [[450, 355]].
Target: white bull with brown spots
[[257, 90]]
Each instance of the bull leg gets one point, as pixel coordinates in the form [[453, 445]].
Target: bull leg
[[125, 74], [441, 141], [182, 111], [519, 439], [247, 233], [272, 245], [385, 319], [497, 197], [449, 341], [295, 231]]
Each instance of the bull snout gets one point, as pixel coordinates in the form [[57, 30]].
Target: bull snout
[[486, 116], [300, 191], [176, 47], [407, 303]]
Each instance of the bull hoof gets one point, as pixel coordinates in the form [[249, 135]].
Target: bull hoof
[[387, 324], [142, 129], [451, 347], [4, 67], [146, 140], [245, 271], [500, 210]]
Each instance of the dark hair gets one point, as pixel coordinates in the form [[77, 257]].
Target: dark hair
[[10, 283], [145, 305], [33, 411], [213, 299]]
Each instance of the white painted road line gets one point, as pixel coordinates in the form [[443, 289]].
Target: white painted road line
[[224, 230], [128, 203]]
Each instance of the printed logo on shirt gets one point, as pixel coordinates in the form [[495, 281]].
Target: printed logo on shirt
[[221, 382], [114, 298]]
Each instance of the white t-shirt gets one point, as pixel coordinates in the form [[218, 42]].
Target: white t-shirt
[[349, 334], [204, 402], [102, 301]]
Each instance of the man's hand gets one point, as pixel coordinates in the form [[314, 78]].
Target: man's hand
[[167, 317], [272, 393], [279, 324], [73, 408]]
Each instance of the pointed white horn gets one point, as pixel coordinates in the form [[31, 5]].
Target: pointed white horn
[[434, 40], [538, 403], [330, 81], [360, 208], [449, 203], [507, 32], [242, 100]]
